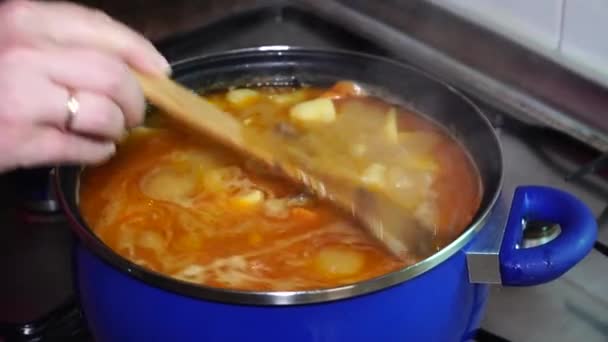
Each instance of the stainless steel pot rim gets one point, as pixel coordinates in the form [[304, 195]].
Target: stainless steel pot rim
[[274, 298]]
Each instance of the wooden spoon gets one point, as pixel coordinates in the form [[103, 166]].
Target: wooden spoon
[[383, 217]]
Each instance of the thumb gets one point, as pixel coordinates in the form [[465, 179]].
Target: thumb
[[61, 23]]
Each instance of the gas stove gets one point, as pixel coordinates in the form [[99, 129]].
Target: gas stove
[[37, 298]]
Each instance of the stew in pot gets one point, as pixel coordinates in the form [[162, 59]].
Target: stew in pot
[[185, 207]]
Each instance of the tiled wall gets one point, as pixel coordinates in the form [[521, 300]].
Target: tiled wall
[[571, 32]]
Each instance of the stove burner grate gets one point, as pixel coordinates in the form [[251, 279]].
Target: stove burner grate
[[65, 324]]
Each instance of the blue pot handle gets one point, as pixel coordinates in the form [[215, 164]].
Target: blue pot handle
[[536, 265]]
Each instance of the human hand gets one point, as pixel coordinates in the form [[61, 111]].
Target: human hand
[[50, 52]]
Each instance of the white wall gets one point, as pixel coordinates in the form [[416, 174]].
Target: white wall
[[571, 32]]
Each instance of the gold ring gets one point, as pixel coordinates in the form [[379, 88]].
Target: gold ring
[[72, 108]]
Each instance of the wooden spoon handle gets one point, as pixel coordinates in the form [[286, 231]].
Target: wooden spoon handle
[[185, 106]]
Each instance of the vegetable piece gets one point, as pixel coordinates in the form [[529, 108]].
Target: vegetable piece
[[335, 262], [390, 126], [344, 89], [358, 150], [214, 180], [313, 111], [276, 208], [242, 97], [374, 175], [169, 184], [150, 240], [191, 273], [249, 198], [226, 179], [426, 213], [125, 243]]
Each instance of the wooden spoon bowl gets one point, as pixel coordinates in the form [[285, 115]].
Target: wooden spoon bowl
[[382, 216]]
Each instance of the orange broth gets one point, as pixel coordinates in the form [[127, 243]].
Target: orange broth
[[185, 207]]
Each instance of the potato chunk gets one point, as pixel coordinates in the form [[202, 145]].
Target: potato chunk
[[242, 97], [168, 184], [374, 175], [358, 150], [338, 262], [317, 111], [249, 198], [276, 208], [226, 179], [151, 240]]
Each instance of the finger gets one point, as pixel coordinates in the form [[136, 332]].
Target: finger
[[46, 145], [30, 97], [68, 24], [97, 116], [96, 72]]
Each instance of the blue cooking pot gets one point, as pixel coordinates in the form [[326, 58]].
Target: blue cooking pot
[[441, 298]]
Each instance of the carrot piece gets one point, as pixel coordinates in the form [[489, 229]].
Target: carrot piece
[[343, 89]]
